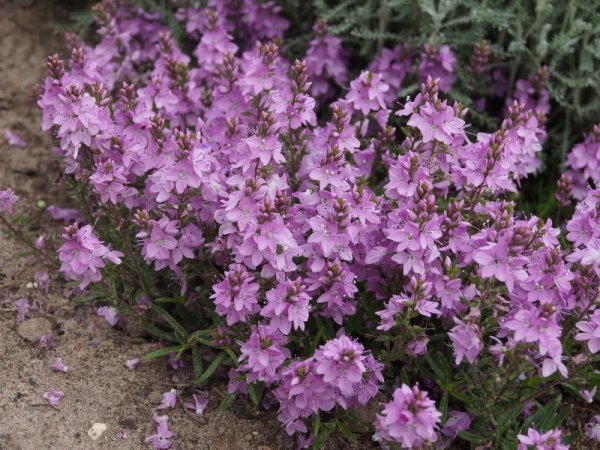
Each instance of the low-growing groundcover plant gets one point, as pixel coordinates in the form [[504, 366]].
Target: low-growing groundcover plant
[[330, 251]]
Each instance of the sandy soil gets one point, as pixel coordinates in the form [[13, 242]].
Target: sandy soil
[[98, 386]]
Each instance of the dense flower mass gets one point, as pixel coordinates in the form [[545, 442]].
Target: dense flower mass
[[320, 256]]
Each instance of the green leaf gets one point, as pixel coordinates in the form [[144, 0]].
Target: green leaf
[[197, 361], [226, 402], [316, 424], [196, 335], [161, 352], [444, 406], [255, 392], [161, 334], [438, 364], [166, 300], [346, 432], [232, 356], [170, 320], [210, 369], [90, 297], [324, 433], [472, 437]]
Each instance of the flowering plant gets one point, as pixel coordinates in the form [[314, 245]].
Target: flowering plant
[[325, 253]]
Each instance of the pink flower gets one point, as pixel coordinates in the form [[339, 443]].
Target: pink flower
[[456, 422], [58, 365], [200, 403], [341, 361], [237, 295], [109, 313], [325, 61], [495, 260], [67, 215], [7, 200], [47, 340], [409, 419], [588, 396], [438, 123], [24, 308], [592, 428], [439, 64], [263, 353], [590, 331], [53, 396], [533, 325], [162, 439], [14, 139], [132, 363], [466, 340], [169, 399], [367, 92], [287, 306], [546, 441], [173, 362], [82, 255]]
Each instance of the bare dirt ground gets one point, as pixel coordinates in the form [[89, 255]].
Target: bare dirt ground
[[98, 386]]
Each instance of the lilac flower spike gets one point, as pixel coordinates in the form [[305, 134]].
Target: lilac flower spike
[[82, 255], [410, 419]]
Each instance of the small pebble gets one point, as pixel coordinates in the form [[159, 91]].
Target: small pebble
[[33, 329], [97, 430]]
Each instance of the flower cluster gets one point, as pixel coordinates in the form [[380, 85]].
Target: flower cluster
[[410, 418], [583, 163], [82, 255], [325, 247]]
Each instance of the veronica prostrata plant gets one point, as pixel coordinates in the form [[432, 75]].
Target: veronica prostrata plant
[[332, 258]]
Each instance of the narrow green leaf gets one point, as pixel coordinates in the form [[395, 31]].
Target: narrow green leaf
[[226, 402], [232, 356], [346, 432], [90, 297], [253, 394], [325, 431], [169, 319], [210, 369], [316, 424], [472, 437], [161, 352], [437, 369], [161, 334], [197, 361], [194, 337], [444, 406]]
